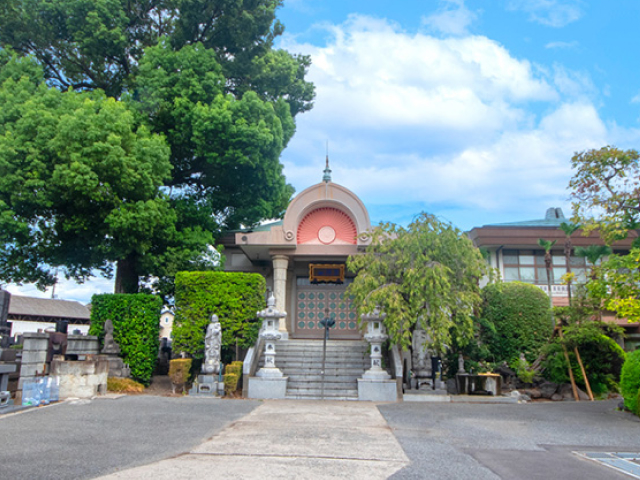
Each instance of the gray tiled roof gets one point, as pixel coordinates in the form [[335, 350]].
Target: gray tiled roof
[[46, 307]]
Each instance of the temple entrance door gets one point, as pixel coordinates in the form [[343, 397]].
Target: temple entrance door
[[314, 302]]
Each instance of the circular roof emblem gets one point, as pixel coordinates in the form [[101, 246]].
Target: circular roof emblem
[[326, 234]]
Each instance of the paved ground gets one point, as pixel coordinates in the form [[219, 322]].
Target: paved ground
[[297, 439], [291, 439], [531, 441], [87, 439]]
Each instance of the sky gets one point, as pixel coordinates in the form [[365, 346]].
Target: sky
[[470, 110]]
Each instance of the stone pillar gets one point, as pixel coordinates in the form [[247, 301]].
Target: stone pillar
[[280, 264]]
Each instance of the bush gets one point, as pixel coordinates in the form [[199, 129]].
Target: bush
[[123, 385], [521, 316], [179, 372], [136, 328], [630, 381], [234, 297], [601, 356], [230, 382]]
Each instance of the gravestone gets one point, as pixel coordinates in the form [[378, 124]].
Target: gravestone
[[111, 349]]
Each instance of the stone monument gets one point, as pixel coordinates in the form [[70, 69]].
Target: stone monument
[[209, 382], [111, 349], [420, 359]]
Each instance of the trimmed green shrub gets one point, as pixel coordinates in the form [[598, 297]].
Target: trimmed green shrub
[[179, 372], [230, 382], [601, 356], [136, 328], [630, 381], [521, 316], [234, 297]]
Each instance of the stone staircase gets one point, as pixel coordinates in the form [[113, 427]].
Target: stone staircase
[[301, 361]]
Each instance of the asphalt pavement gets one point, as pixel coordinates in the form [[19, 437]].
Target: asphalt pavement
[[511, 442], [164, 437], [85, 439]]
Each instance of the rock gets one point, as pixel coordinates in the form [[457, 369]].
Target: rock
[[566, 391], [547, 389], [524, 399], [533, 393], [583, 396], [556, 397]]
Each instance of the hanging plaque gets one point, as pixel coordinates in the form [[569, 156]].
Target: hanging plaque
[[326, 273]]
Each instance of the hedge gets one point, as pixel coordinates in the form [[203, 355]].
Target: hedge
[[136, 328], [630, 381], [235, 297], [521, 315]]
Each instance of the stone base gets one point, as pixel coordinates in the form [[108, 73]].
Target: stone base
[[82, 379], [377, 391], [207, 386], [489, 384], [269, 372], [267, 387]]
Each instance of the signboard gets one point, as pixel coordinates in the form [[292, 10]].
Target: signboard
[[326, 273]]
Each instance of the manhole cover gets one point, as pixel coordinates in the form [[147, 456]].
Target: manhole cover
[[625, 462]]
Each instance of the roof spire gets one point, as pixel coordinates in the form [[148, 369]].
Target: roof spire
[[327, 171]]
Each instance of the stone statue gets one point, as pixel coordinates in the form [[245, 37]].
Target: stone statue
[[212, 344], [110, 345]]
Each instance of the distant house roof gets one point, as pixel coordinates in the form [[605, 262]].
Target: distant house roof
[[47, 307]]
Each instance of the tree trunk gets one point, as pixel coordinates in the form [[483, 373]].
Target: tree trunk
[[126, 275], [567, 254]]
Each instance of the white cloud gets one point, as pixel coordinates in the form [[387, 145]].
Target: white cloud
[[562, 45], [553, 13], [444, 124], [452, 18]]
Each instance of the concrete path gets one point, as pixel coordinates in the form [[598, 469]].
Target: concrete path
[[290, 439]]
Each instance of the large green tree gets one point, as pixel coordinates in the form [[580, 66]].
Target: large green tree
[[606, 192], [205, 75], [79, 182], [425, 274]]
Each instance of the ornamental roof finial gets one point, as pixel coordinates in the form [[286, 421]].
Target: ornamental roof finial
[[327, 171]]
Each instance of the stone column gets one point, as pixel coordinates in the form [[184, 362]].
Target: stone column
[[280, 264]]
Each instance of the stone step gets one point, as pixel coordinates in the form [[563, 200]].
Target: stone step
[[327, 371], [316, 393], [318, 378]]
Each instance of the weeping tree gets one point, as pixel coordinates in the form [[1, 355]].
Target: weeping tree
[[424, 275]]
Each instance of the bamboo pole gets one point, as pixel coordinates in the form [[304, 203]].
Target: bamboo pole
[[584, 373], [566, 356]]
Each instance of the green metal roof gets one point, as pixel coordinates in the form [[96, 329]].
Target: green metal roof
[[553, 218], [260, 228]]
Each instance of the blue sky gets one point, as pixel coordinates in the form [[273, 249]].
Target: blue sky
[[470, 110]]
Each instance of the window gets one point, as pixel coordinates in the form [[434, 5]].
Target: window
[[529, 266]]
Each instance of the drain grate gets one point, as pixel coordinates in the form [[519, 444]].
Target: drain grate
[[625, 462]]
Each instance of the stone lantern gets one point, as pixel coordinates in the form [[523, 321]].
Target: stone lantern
[[270, 334], [375, 334]]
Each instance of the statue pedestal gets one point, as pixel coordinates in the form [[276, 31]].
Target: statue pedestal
[[207, 386], [268, 387]]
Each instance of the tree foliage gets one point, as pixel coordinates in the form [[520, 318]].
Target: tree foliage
[[235, 297], [136, 328], [426, 273], [606, 190], [201, 73], [79, 182], [521, 317]]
